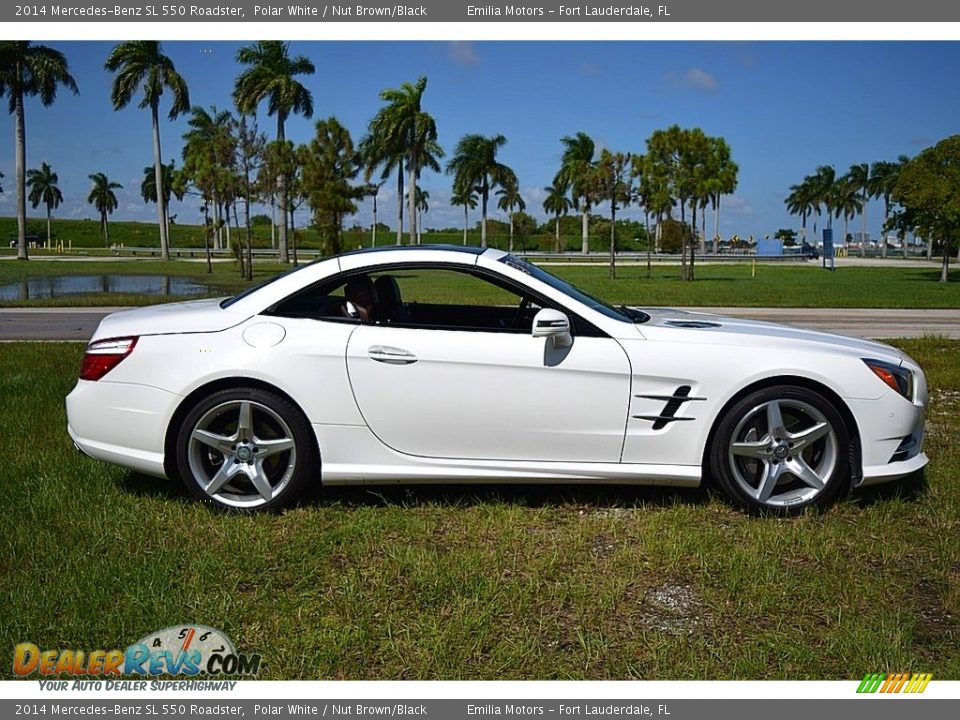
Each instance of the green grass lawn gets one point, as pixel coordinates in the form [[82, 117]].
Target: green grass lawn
[[716, 285], [478, 582]]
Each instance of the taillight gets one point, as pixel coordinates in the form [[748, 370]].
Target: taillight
[[103, 356]]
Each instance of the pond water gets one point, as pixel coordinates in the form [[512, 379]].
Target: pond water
[[44, 288]]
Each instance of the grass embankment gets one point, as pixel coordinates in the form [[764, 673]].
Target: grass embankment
[[552, 582], [716, 285]]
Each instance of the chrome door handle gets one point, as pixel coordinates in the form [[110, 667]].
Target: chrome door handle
[[391, 355]]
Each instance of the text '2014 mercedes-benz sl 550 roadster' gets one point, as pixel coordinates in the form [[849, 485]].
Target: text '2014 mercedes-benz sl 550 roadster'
[[431, 364]]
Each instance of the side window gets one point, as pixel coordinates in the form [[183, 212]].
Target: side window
[[429, 297], [444, 298]]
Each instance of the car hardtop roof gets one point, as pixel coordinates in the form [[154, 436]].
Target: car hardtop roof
[[469, 249]]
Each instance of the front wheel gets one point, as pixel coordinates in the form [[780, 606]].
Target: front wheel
[[781, 449], [245, 449]]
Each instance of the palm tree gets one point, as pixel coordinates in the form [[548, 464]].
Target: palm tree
[[510, 198], [104, 200], [858, 180], [574, 173], [372, 190], [422, 206], [800, 202], [379, 150], [28, 70], [141, 66], [211, 138], [43, 189], [402, 123], [474, 163], [613, 183], [557, 203], [883, 179], [846, 201], [148, 189], [823, 192], [465, 196], [271, 75], [723, 180]]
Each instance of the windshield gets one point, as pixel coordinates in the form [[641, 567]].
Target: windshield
[[623, 313]]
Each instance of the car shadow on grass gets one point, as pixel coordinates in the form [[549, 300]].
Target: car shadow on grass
[[521, 495], [456, 495], [911, 489], [140, 485]]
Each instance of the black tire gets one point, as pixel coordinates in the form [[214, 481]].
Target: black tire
[[766, 472], [246, 466]]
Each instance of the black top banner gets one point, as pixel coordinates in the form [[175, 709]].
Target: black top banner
[[457, 11]]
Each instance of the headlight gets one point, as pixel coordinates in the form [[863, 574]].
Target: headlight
[[896, 377]]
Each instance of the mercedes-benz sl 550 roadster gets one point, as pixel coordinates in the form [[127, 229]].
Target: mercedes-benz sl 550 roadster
[[446, 364]]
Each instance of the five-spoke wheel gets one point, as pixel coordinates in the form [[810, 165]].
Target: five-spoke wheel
[[245, 448], [780, 449]]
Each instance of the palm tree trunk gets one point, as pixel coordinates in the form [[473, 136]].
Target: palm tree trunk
[[483, 216], [284, 199], [511, 232], [883, 231], [613, 240], [273, 221], [21, 153], [945, 267], [863, 228], [373, 240], [557, 230], [49, 212], [646, 225], [716, 226], [693, 242], [412, 198], [293, 236], [683, 240], [400, 204], [106, 229], [466, 221], [207, 231], [585, 230], [246, 213], [226, 213], [158, 179], [703, 230]]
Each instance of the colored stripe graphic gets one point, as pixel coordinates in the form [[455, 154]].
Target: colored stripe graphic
[[894, 682]]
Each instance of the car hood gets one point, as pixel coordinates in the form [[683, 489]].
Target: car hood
[[698, 326], [185, 317]]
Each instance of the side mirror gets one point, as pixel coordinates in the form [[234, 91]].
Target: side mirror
[[553, 324]]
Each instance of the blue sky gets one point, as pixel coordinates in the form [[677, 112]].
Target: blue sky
[[784, 108]]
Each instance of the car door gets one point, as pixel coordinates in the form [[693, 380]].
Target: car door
[[488, 393]]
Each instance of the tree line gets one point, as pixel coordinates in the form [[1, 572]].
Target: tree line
[[920, 195], [229, 163]]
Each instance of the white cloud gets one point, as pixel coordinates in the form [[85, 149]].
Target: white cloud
[[463, 53], [695, 79], [700, 79]]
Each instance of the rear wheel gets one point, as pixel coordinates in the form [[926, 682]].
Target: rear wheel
[[246, 449], [781, 449]]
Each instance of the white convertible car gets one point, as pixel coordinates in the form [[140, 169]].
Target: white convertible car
[[371, 368]]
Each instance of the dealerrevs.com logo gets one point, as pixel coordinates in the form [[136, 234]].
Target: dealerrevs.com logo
[[176, 650], [894, 683]]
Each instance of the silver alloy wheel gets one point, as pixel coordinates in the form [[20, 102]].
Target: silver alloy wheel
[[242, 453], [783, 452]]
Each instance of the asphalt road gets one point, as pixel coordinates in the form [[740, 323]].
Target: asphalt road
[[79, 323]]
